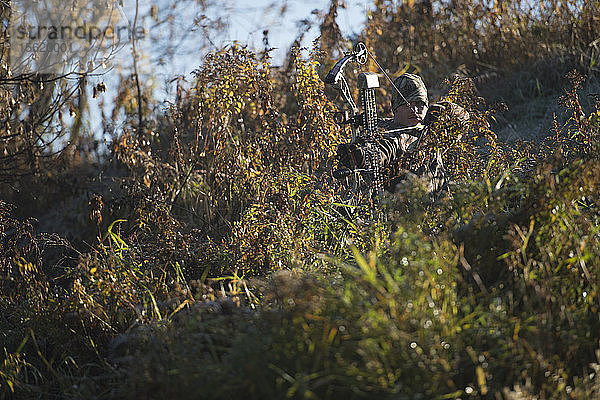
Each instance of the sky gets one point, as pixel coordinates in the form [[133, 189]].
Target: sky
[[247, 19], [246, 22], [249, 24]]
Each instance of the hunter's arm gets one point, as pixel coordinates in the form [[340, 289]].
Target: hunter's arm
[[393, 146]]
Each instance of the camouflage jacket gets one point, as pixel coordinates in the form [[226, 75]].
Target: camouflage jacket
[[400, 153], [400, 149]]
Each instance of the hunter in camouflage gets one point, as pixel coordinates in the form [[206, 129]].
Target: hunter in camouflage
[[402, 134]]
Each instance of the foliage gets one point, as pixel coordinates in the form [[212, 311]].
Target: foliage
[[437, 37], [224, 262], [416, 316]]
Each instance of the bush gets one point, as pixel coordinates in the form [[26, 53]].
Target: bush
[[228, 263]]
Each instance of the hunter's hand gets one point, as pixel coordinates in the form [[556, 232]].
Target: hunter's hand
[[434, 112], [453, 111], [350, 155]]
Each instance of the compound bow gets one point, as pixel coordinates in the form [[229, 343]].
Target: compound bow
[[364, 125]]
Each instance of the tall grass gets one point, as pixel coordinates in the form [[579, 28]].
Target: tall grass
[[227, 264]]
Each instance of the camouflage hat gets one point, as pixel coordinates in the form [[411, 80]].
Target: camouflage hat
[[412, 88]]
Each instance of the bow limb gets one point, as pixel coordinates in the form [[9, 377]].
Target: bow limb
[[342, 86], [336, 78]]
